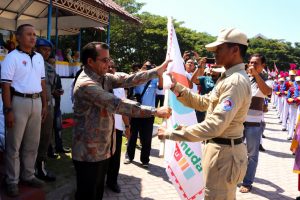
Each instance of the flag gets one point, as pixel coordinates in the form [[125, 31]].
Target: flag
[[184, 159], [276, 70], [268, 70]]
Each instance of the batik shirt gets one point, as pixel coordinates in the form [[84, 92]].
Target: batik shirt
[[94, 108]]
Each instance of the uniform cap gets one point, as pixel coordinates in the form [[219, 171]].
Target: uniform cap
[[281, 79], [43, 42], [297, 78], [292, 72], [229, 35]]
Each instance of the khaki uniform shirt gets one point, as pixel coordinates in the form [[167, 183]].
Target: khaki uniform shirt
[[94, 109], [227, 106]]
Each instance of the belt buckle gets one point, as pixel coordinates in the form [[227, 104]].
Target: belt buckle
[[35, 96]]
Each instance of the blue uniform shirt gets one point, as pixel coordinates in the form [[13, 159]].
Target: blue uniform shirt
[[150, 94]]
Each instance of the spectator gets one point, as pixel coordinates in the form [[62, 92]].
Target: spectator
[[143, 127], [122, 124], [23, 70], [76, 56], [44, 47], [94, 106]]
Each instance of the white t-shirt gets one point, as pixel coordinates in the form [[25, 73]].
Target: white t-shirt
[[119, 124], [24, 73], [189, 76], [255, 115]]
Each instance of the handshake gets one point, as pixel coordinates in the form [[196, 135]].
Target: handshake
[[163, 112]]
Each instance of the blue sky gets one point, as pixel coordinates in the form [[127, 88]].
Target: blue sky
[[276, 19]]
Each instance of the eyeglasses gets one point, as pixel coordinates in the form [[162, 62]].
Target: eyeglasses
[[104, 60]]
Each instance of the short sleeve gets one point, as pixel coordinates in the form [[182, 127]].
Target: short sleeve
[[8, 67]]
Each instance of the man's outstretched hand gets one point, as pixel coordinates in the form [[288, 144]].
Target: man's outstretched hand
[[163, 67], [163, 112]]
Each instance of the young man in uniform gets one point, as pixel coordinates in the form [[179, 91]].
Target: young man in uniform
[[225, 155], [25, 106]]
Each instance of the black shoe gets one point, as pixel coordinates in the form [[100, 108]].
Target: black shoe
[[283, 129], [289, 138], [44, 174], [63, 150], [34, 182], [298, 198], [127, 161], [114, 187], [52, 155], [261, 148], [263, 136], [145, 165], [12, 190]]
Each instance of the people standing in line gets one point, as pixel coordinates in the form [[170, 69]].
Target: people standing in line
[[143, 127], [122, 125], [227, 106], [293, 101], [44, 47], [287, 85], [25, 106], [253, 124], [281, 81], [94, 140]]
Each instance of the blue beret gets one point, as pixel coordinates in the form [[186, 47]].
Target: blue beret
[[43, 42]]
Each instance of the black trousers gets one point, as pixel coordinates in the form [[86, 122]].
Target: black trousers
[[90, 177], [144, 128], [114, 161], [159, 99]]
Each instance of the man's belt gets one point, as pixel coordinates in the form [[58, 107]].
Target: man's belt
[[32, 96], [225, 141], [256, 124]]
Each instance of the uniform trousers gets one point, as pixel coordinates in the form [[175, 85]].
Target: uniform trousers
[[46, 135], [22, 140], [292, 119], [280, 106], [224, 166], [144, 128], [285, 113]]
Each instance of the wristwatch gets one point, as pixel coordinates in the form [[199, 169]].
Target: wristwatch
[[6, 110]]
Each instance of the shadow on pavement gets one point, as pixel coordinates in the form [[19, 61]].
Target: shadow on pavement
[[274, 194], [277, 139], [279, 154], [273, 129]]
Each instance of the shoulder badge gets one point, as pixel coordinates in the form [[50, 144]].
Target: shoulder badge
[[227, 104]]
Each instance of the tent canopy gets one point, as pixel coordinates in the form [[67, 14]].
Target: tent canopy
[[72, 14]]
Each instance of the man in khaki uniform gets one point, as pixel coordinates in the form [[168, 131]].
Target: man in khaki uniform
[[225, 155]]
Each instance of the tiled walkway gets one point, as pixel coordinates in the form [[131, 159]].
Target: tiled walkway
[[274, 178]]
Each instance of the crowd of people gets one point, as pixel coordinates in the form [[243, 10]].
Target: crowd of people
[[229, 98]]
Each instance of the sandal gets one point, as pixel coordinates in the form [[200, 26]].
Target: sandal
[[245, 189]]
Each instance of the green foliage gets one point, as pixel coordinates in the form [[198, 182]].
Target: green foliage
[[132, 43]]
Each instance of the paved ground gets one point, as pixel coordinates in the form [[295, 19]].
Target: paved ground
[[274, 179]]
